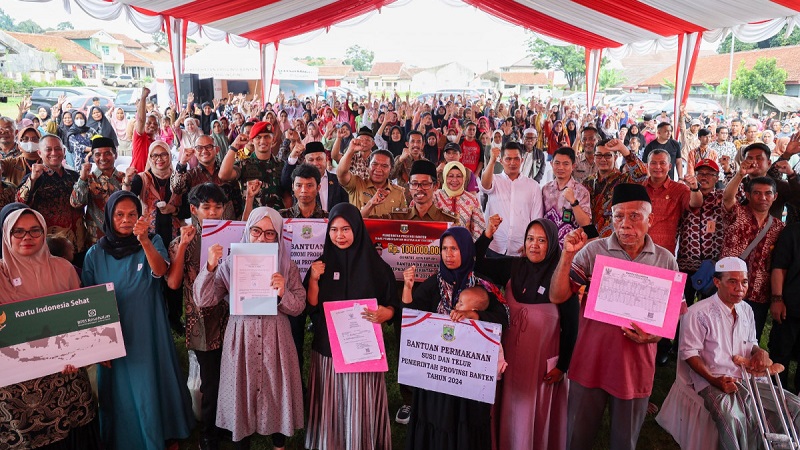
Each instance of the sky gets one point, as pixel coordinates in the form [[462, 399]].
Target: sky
[[421, 33]]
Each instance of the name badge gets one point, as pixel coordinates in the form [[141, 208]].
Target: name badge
[[17, 281], [336, 276], [541, 290], [400, 210], [139, 267]]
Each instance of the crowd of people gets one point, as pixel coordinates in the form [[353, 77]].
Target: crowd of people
[[533, 193]]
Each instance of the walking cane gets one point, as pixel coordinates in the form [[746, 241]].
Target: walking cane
[[787, 439]]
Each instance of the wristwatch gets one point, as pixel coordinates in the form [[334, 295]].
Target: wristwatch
[[181, 168], [575, 203], [695, 190]]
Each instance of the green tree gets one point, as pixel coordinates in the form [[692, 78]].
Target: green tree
[[312, 60], [610, 78], [570, 59], [160, 38], [779, 40], [65, 26], [764, 78], [29, 26], [6, 22], [359, 58]]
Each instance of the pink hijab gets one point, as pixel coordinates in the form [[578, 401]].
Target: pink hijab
[[27, 277]]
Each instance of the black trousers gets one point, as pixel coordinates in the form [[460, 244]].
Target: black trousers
[[783, 347], [760, 312], [298, 326], [209, 362], [405, 391]]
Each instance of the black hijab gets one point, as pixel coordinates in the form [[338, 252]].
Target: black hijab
[[102, 126], [119, 246], [361, 271], [395, 147], [75, 129], [356, 272], [527, 277], [431, 152], [63, 130]]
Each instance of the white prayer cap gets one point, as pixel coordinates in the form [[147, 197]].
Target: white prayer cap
[[730, 264], [530, 130]]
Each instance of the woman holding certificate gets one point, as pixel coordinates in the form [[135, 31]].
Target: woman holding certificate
[[260, 387], [531, 411], [347, 410], [443, 421], [144, 401], [56, 411]]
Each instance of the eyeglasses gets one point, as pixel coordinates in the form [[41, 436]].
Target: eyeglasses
[[707, 174], [20, 233], [604, 155], [417, 185], [157, 156], [204, 148], [257, 232]]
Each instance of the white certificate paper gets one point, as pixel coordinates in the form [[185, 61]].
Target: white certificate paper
[[356, 335], [638, 297], [251, 293]]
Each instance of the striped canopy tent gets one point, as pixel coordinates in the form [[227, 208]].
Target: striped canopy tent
[[614, 26]]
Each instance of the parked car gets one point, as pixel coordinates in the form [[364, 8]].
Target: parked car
[[127, 99], [48, 96], [121, 79], [633, 98], [82, 103], [694, 107], [105, 92]]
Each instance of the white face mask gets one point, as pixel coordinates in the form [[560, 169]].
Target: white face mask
[[28, 147], [80, 122], [451, 138], [496, 145]]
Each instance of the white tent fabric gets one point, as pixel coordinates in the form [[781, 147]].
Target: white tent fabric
[[688, 49]]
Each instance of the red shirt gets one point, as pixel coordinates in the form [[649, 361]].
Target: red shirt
[[669, 202], [140, 150], [470, 154]]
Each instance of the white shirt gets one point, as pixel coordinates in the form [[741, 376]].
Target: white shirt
[[708, 331], [518, 202]]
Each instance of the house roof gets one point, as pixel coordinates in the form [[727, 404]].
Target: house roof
[[132, 59], [380, 69], [127, 41], [151, 56], [67, 50], [74, 34], [714, 68], [526, 78], [335, 71]]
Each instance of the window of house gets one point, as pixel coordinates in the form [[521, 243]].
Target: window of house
[[105, 50]]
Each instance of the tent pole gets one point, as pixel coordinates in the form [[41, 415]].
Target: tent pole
[[730, 76]]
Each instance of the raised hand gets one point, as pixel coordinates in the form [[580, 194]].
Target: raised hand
[[492, 225], [188, 232], [408, 276], [575, 240], [317, 269], [214, 257], [278, 283], [141, 228], [253, 188], [37, 170], [86, 170]]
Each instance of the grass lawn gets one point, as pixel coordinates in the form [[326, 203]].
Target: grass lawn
[[10, 109]]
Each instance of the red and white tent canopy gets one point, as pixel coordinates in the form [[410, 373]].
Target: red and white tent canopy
[[617, 25]]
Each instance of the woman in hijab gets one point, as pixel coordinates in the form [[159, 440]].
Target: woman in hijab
[[220, 140], [56, 411], [99, 124], [188, 136], [395, 144], [144, 401], [531, 412], [120, 123], [431, 148], [454, 199], [572, 130], [634, 134], [347, 410], [79, 140], [312, 133], [258, 351], [64, 124], [443, 421]]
